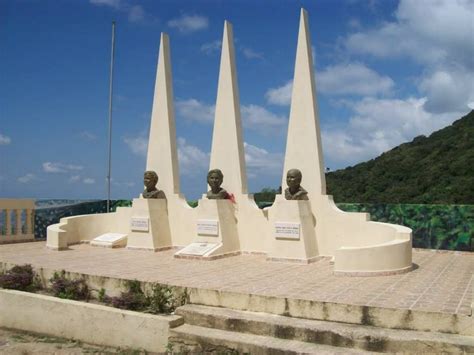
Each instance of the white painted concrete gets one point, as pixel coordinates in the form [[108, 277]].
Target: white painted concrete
[[357, 245], [86, 322]]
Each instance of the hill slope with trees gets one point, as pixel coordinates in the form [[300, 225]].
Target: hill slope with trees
[[427, 170]]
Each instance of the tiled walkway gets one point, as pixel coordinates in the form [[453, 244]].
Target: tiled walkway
[[441, 282]]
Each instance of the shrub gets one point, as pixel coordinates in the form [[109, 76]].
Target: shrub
[[134, 299], [161, 299], [164, 299], [63, 287], [101, 296], [21, 278]]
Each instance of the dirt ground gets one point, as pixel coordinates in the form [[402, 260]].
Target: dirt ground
[[22, 343]]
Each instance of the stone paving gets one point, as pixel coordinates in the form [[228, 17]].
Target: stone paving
[[440, 282]]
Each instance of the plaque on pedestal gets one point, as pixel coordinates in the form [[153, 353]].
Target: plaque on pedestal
[[139, 224], [285, 230], [208, 227]]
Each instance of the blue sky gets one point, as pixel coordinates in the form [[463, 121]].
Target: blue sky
[[386, 71]]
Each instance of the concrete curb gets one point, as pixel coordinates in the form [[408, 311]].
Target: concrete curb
[[86, 322]]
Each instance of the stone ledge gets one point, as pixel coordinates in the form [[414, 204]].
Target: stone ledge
[[90, 323], [374, 273]]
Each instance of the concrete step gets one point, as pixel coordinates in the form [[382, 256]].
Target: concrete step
[[326, 333], [201, 340]]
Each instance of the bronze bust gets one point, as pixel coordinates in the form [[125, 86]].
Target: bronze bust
[[214, 179], [294, 190], [150, 179]]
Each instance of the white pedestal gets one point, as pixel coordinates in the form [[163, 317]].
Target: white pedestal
[[293, 236], [149, 225], [216, 230]]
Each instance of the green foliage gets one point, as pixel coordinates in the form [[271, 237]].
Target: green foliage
[[449, 227], [21, 278], [162, 299], [267, 195], [133, 299], [101, 296], [438, 169], [119, 203], [193, 203], [63, 287]]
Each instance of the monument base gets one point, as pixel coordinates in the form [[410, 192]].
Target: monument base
[[149, 225], [216, 230], [293, 235]]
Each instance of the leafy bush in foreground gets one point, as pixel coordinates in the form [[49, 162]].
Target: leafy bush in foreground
[[63, 287], [161, 299], [20, 277]]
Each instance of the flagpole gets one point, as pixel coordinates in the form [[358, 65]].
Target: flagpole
[[111, 81]]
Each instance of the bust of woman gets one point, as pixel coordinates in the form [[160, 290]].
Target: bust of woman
[[215, 179], [294, 190], [150, 179]]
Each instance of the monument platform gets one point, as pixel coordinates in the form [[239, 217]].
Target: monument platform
[[441, 282]]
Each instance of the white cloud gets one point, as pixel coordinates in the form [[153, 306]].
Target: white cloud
[[378, 125], [341, 79], [194, 110], [260, 119], [88, 136], [352, 78], [211, 47], [191, 158], [126, 184], [137, 145], [4, 140], [251, 54], [428, 32], [254, 117], [280, 95], [50, 167], [88, 181], [260, 162], [189, 23], [136, 14], [354, 23], [116, 4], [448, 90], [74, 178], [27, 178], [437, 34]]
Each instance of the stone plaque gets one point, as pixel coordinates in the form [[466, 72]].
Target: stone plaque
[[110, 240], [208, 227], [285, 230], [110, 237], [197, 249], [140, 224]]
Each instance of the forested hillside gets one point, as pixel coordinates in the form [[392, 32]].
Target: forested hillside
[[428, 170]]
